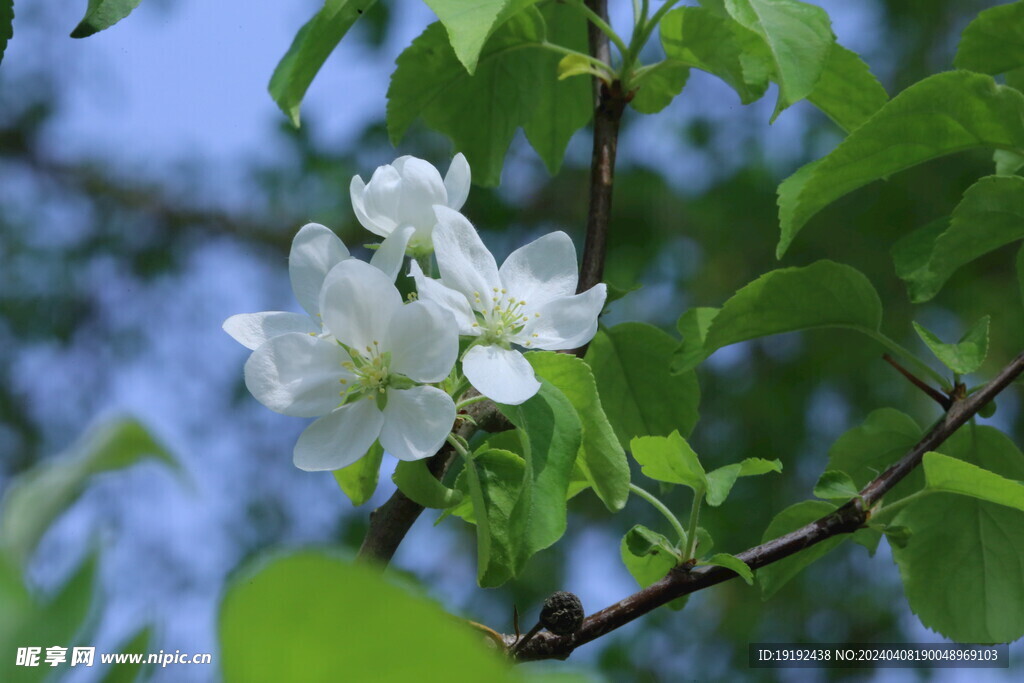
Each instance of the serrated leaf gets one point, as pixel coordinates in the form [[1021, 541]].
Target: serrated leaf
[[6, 25], [601, 457], [719, 45], [942, 114], [720, 481], [660, 86], [37, 497], [669, 459], [358, 481], [470, 24], [847, 92], [314, 42], [515, 85], [993, 42], [494, 483], [415, 481], [630, 363], [648, 555], [972, 544], [774, 576], [866, 451], [823, 294], [836, 485], [943, 473], [990, 215], [102, 14], [965, 356], [734, 563], [799, 38]]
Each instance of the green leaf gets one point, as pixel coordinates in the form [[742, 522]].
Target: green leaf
[[993, 43], [129, 672], [551, 434], [660, 86], [847, 92], [470, 24], [1007, 162], [966, 355], [498, 483], [280, 620], [990, 215], [693, 326], [774, 576], [911, 252], [358, 481], [37, 497], [630, 363], [601, 457], [1020, 272], [942, 114], [866, 451], [648, 555], [799, 38], [823, 294], [669, 459], [734, 563], [515, 84], [943, 473], [972, 545], [719, 45], [836, 485], [898, 536], [6, 25], [102, 14], [721, 480], [314, 42], [415, 481]]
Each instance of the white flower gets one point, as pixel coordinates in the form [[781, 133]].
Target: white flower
[[404, 193], [364, 376], [315, 250], [529, 301]]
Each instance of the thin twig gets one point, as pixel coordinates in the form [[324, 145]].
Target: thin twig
[[847, 519], [938, 397]]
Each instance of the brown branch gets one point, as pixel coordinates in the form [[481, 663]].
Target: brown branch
[[847, 519], [933, 394]]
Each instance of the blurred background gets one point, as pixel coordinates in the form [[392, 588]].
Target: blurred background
[[149, 189]]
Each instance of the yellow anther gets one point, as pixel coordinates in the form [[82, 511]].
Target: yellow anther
[[504, 291]]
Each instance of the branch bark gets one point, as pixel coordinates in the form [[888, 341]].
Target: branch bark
[[847, 519]]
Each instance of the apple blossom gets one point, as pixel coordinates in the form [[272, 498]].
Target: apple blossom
[[315, 250], [530, 301], [365, 377], [404, 193]]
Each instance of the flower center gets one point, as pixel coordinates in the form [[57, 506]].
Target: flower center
[[370, 367], [501, 317]]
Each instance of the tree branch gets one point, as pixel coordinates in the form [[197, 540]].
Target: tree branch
[[847, 519]]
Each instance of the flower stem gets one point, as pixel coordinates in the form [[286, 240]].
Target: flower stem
[[663, 509], [469, 401], [691, 551]]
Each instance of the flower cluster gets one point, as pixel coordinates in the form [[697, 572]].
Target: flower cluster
[[371, 367]]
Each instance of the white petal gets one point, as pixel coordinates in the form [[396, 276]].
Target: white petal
[[416, 422], [296, 374], [463, 260], [422, 187], [252, 329], [566, 323], [424, 342], [456, 182], [339, 439], [447, 298], [380, 199], [388, 258], [542, 270], [379, 225], [502, 375], [357, 303], [315, 250]]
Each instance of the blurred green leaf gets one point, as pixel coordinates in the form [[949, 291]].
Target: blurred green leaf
[[358, 481], [965, 356], [660, 86], [601, 458], [640, 396], [312, 617], [734, 563], [669, 459], [38, 496], [415, 481], [721, 480], [314, 42], [127, 673], [102, 14], [836, 485], [774, 576], [990, 215], [942, 114], [470, 24], [799, 38], [993, 43], [967, 543], [1007, 162], [823, 294], [693, 326], [847, 92]]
